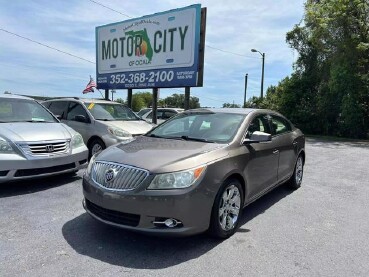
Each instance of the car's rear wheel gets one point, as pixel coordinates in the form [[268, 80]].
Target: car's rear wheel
[[96, 146], [227, 210], [296, 179]]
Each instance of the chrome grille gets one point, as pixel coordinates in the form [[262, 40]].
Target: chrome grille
[[45, 148], [117, 177]]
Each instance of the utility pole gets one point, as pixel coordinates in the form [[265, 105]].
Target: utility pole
[[244, 99]]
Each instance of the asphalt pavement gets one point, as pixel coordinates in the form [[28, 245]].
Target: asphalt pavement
[[321, 229]]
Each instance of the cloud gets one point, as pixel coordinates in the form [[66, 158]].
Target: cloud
[[70, 26]]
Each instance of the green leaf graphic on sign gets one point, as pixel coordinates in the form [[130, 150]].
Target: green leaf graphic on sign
[[142, 43]]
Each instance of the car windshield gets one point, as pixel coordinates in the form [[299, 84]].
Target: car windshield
[[142, 112], [23, 110], [110, 111], [204, 127]]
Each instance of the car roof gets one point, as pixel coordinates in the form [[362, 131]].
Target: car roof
[[225, 110], [14, 96], [83, 100]]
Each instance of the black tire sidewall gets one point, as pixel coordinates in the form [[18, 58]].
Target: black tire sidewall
[[215, 228], [94, 142], [292, 182]]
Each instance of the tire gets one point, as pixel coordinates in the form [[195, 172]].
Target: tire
[[96, 146], [227, 210], [296, 178]]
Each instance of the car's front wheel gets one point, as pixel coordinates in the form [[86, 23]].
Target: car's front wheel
[[227, 210], [96, 146], [296, 178]]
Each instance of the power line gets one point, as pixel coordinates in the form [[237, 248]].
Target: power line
[[48, 46], [102, 5], [233, 53], [218, 49]]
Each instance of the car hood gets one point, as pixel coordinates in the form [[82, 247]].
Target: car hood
[[26, 131], [137, 127], [163, 155]]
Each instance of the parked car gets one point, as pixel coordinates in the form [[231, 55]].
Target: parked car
[[195, 172], [33, 143], [101, 123], [162, 114], [143, 111]]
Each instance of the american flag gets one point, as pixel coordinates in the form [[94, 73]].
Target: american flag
[[90, 86]]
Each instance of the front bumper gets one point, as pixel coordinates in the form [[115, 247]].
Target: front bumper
[[15, 167], [141, 209]]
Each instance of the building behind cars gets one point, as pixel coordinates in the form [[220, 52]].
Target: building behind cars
[[101, 123], [33, 143]]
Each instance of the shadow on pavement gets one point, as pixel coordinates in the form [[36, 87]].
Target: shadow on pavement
[[31, 186], [261, 205], [132, 250]]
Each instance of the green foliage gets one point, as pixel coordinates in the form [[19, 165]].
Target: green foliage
[[229, 105], [177, 101], [328, 93], [144, 99], [120, 100]]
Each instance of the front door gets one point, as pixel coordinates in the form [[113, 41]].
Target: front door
[[262, 168]]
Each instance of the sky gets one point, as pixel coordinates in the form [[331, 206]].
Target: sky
[[30, 31]]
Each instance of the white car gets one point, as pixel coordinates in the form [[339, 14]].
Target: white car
[[162, 114], [101, 123], [33, 143]]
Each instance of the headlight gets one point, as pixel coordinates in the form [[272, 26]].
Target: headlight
[[119, 132], [176, 180], [91, 164], [77, 141], [5, 147]]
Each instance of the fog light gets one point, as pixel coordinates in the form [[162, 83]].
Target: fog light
[[170, 222], [167, 222]]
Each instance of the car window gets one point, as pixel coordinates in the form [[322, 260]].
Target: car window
[[259, 123], [159, 115], [168, 114], [23, 110], [211, 127], [142, 112], [58, 108], [75, 109], [280, 125], [110, 111]]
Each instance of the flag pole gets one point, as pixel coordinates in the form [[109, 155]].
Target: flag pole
[[100, 93]]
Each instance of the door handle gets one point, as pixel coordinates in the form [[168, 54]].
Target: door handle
[[276, 151]]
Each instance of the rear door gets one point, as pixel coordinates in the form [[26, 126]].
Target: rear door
[[284, 142]]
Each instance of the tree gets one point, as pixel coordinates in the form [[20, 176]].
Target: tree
[[141, 100], [177, 101], [228, 105], [328, 92]]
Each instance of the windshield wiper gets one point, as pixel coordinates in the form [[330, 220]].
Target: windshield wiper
[[104, 119], [196, 139]]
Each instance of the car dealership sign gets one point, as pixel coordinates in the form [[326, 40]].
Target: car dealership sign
[[159, 50]]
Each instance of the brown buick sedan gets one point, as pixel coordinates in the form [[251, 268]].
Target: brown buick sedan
[[195, 172]]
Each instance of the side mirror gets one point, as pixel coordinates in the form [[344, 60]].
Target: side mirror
[[59, 116], [258, 137], [81, 118]]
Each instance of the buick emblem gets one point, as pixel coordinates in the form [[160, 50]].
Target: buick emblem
[[49, 148], [110, 175]]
